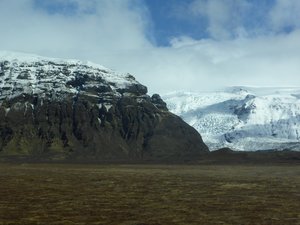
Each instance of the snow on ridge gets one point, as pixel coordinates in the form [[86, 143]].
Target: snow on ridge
[[31, 58], [263, 90], [26, 73]]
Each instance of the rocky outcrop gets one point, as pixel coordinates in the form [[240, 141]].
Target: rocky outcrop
[[53, 109]]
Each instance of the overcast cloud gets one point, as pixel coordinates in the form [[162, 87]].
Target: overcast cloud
[[118, 35]]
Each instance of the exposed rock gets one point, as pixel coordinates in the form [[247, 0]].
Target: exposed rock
[[53, 109], [158, 102]]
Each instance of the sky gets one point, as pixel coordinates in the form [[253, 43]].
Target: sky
[[168, 45]]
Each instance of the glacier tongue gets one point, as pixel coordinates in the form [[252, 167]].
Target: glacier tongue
[[242, 118]]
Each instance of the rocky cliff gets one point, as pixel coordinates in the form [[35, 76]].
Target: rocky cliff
[[67, 109]]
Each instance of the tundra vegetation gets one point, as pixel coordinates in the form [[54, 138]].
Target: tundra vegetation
[[149, 194]]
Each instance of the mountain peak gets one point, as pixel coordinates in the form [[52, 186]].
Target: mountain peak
[[30, 74], [21, 57]]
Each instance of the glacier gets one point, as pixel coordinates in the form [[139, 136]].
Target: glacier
[[242, 118]]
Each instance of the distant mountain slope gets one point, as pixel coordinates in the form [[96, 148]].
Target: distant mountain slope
[[68, 109], [242, 118]]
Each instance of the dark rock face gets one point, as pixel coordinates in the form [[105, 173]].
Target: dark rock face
[[75, 111]]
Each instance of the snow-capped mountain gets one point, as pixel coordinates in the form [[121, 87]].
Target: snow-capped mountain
[[242, 118], [69, 109]]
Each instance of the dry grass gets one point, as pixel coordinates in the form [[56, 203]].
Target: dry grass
[[151, 194]]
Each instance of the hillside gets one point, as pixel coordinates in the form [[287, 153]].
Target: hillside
[[71, 110]]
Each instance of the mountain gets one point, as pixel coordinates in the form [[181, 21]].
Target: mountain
[[242, 118], [73, 110]]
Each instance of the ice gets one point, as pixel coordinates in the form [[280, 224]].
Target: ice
[[243, 118]]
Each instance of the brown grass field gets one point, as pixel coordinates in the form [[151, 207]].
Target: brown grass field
[[149, 194]]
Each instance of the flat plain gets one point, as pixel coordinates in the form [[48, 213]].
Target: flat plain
[[149, 194]]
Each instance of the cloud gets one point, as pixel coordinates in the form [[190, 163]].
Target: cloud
[[112, 26], [285, 15], [224, 17], [210, 64], [115, 33]]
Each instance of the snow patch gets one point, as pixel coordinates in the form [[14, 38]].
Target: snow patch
[[107, 106], [7, 111]]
